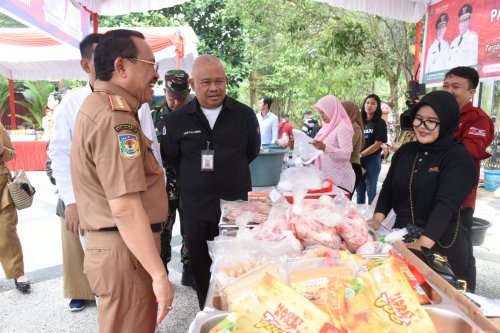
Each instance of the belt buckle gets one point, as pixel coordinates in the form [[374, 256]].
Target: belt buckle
[[462, 285]]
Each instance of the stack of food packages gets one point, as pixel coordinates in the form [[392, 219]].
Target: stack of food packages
[[299, 272]]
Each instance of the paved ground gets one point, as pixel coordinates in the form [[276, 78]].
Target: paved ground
[[45, 310]]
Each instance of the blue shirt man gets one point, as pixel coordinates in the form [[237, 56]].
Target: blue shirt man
[[268, 122]]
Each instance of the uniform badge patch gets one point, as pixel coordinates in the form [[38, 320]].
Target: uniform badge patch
[[129, 146], [123, 127], [118, 103]]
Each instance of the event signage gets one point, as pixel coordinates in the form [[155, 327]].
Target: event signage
[[60, 19], [461, 33]]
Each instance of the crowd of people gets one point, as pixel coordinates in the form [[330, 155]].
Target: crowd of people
[[110, 155]]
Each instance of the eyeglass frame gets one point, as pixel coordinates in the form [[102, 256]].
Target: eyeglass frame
[[156, 65], [424, 122]]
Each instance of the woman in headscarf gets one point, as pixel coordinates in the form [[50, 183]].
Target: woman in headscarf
[[358, 139], [335, 140], [428, 181], [11, 253]]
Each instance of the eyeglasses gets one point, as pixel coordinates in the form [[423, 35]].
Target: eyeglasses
[[156, 65], [428, 124]]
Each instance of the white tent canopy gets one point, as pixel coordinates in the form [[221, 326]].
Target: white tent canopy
[[61, 61], [112, 7], [405, 10]]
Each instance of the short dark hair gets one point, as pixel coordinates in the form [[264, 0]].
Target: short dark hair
[[378, 111], [86, 49], [268, 101], [465, 72], [114, 44]]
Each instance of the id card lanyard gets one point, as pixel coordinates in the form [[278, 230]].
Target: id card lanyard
[[207, 159]]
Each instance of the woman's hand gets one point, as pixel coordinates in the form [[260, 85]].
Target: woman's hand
[[376, 221], [320, 145]]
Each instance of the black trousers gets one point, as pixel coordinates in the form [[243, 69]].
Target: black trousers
[[466, 218], [358, 174], [197, 232]]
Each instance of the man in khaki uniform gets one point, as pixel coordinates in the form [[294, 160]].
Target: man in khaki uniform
[[120, 186], [464, 48], [11, 252]]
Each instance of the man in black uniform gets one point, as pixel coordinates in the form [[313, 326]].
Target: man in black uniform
[[211, 142]]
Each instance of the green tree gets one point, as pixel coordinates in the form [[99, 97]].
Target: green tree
[[36, 95]]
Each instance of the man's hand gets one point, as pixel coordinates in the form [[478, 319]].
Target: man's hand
[[72, 219], [318, 145], [164, 296]]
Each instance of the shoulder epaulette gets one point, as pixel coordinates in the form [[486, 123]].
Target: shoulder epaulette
[[118, 103]]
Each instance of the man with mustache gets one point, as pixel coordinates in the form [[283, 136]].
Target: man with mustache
[[120, 186]]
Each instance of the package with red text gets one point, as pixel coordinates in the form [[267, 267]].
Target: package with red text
[[273, 307]]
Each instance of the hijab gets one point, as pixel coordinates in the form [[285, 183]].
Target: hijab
[[332, 107], [355, 115], [447, 110]]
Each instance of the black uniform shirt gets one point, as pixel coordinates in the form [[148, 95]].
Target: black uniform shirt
[[375, 130], [441, 181], [235, 140]]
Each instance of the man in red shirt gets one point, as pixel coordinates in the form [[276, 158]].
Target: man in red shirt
[[284, 127], [476, 132]]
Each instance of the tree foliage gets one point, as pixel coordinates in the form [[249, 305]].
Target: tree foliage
[[36, 95]]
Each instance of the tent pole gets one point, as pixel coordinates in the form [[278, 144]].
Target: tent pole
[[12, 105], [416, 63], [95, 22]]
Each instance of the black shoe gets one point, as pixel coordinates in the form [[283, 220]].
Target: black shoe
[[22, 286], [187, 277]]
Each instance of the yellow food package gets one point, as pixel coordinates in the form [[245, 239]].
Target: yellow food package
[[381, 300], [273, 307]]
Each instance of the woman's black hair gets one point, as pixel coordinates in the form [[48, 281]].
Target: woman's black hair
[[378, 111]]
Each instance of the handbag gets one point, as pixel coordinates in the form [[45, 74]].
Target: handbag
[[440, 265], [21, 191]]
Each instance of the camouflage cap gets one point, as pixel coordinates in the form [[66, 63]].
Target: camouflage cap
[[176, 83], [442, 20], [464, 12]]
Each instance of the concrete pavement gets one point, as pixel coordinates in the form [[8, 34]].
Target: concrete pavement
[[45, 310]]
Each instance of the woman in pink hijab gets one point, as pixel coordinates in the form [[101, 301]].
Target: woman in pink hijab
[[335, 140]]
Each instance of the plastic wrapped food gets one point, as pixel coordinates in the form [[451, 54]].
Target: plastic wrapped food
[[381, 300], [232, 210], [273, 307]]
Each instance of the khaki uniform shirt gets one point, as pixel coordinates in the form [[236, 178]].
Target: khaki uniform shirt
[[111, 157], [464, 54], [9, 154]]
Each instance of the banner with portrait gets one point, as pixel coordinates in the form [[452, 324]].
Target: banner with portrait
[[461, 33]]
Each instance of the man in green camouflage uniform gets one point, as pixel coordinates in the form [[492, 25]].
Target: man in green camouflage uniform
[[176, 95]]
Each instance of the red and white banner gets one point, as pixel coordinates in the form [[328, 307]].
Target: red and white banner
[[60, 19], [461, 33]]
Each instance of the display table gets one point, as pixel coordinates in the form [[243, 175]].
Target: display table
[[30, 156]]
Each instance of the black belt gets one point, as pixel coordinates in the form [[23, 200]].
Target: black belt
[[154, 227]]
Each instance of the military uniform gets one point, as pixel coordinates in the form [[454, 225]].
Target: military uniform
[[112, 157], [11, 252], [464, 48]]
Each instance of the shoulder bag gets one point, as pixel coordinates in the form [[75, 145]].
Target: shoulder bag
[[21, 191]]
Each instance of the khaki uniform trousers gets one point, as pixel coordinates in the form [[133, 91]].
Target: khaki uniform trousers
[[75, 283], [126, 302], [11, 252]]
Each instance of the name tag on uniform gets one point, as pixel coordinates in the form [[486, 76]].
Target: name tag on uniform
[[207, 160]]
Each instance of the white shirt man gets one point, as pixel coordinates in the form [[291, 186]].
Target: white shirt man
[[437, 55], [464, 48], [268, 122]]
